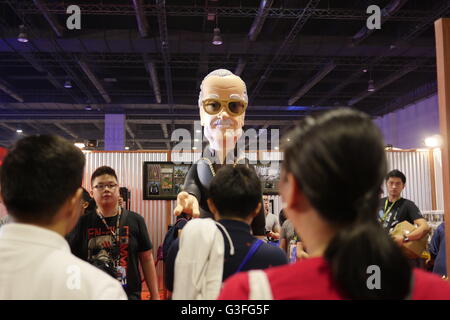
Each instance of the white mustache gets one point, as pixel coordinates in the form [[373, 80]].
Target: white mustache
[[223, 123]]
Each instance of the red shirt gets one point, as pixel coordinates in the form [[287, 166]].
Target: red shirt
[[310, 279]]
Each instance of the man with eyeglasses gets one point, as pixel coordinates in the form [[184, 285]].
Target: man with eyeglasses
[[114, 239], [222, 104]]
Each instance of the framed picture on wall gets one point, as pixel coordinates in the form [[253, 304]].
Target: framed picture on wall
[[270, 177], [163, 180]]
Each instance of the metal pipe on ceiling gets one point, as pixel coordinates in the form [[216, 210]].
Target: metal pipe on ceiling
[[87, 70], [140, 18]]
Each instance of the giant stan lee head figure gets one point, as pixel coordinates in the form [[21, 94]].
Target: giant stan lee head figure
[[222, 102]]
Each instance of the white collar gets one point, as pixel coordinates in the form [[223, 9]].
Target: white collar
[[33, 234]]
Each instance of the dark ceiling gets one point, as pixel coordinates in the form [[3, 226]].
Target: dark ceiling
[[147, 58]]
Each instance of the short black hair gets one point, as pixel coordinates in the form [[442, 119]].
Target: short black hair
[[38, 175], [100, 171], [86, 196], [235, 191], [396, 174]]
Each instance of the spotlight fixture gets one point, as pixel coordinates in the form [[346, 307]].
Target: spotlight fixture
[[68, 84], [80, 145], [433, 141], [217, 39], [22, 37], [127, 148], [88, 108], [19, 131], [371, 87]]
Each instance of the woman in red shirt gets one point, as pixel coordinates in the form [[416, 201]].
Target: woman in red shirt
[[333, 169]]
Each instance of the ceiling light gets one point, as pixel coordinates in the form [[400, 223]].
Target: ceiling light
[[127, 148], [364, 70], [371, 87], [68, 84], [217, 39], [194, 148], [88, 108], [276, 148], [80, 145], [433, 141], [198, 131], [196, 140], [19, 131], [22, 37]]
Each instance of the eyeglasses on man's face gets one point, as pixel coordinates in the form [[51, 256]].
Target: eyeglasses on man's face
[[102, 186]]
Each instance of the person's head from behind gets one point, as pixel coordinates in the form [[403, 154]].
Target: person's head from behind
[[40, 182], [105, 187], [395, 183], [235, 193], [86, 202], [333, 168]]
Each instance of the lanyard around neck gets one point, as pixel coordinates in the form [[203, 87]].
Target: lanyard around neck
[[386, 212], [100, 215]]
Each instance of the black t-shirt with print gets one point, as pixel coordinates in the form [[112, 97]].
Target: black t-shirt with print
[[91, 241], [402, 210]]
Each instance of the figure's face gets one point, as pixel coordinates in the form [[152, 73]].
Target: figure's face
[[223, 127]]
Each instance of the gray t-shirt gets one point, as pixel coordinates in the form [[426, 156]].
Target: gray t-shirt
[[272, 222], [288, 231]]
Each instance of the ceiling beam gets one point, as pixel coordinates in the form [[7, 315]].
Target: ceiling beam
[[260, 18], [132, 135], [87, 70], [412, 33], [140, 18], [285, 46], [312, 82], [164, 129], [56, 26], [151, 70], [240, 66], [66, 130], [10, 92], [143, 121], [285, 13], [386, 13], [164, 43], [4, 125], [383, 83]]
